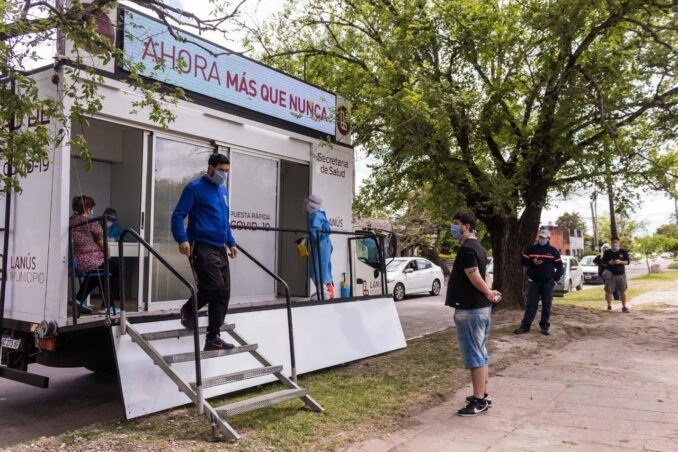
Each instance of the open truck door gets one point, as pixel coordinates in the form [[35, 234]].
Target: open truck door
[[368, 272]]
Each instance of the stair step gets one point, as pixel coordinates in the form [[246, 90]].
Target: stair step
[[238, 376], [183, 332], [190, 356], [262, 401]]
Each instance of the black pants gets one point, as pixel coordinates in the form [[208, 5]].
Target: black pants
[[214, 284], [92, 282], [537, 290]]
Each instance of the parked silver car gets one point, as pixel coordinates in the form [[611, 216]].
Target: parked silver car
[[572, 277]]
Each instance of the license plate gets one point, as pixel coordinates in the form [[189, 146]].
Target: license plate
[[8, 342]]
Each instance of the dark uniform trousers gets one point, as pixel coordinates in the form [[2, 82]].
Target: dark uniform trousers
[[214, 283]]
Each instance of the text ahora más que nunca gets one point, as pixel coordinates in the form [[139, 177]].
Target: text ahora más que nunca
[[208, 69]]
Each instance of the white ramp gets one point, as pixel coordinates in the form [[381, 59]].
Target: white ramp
[[324, 335]]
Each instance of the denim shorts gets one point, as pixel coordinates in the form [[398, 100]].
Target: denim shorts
[[473, 331]]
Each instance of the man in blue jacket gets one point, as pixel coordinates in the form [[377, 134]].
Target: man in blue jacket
[[544, 269], [205, 202]]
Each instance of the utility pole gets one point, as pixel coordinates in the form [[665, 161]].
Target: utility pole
[[594, 221]]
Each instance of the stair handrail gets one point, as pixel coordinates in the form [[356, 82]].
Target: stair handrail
[[288, 308], [184, 281]]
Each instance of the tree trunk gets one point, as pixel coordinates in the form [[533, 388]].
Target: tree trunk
[[510, 237]]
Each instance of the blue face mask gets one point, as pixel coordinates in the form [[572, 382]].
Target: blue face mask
[[219, 177], [543, 242], [455, 229]]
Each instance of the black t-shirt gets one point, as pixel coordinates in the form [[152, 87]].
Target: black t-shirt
[[615, 269], [461, 293]]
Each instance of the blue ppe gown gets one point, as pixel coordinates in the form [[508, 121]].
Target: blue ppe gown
[[321, 251]]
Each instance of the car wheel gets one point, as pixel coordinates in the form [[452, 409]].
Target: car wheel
[[581, 285], [569, 286], [435, 289], [399, 292]]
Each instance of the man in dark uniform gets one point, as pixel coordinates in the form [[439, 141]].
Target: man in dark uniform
[[205, 202], [544, 269]]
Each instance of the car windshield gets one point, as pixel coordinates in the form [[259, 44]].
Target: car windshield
[[395, 265], [587, 260]]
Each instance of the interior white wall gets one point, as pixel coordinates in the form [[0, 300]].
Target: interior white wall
[[95, 183], [104, 140], [126, 180]]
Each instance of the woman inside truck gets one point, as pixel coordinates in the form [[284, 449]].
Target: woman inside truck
[[87, 242]]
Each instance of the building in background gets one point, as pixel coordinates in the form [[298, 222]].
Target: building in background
[[568, 242]]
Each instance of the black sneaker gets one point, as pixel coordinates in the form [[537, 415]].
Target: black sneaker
[[186, 319], [488, 399], [545, 332], [217, 344], [474, 408], [521, 330], [609, 308], [625, 309]]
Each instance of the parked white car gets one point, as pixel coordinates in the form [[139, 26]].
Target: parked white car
[[590, 270], [489, 272], [573, 277], [410, 275]]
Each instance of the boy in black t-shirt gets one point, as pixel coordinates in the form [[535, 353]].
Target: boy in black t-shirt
[[615, 261], [472, 300]]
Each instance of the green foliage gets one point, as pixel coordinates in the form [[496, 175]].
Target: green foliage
[[492, 104], [27, 26], [656, 243], [673, 265], [669, 230], [627, 230], [571, 220]]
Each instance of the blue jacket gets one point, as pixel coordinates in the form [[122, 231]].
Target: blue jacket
[[551, 267], [206, 205]]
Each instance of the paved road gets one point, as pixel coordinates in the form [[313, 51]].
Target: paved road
[[75, 398]]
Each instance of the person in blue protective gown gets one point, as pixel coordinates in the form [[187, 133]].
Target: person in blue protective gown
[[320, 265]]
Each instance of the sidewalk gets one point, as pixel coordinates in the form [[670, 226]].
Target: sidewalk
[[614, 390]]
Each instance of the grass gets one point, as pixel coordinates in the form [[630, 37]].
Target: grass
[[595, 298], [361, 398]]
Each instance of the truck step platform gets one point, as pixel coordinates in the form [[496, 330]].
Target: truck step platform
[[190, 356], [238, 376], [183, 332], [261, 401]]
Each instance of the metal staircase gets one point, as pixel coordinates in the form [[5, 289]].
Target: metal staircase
[[217, 415], [194, 389]]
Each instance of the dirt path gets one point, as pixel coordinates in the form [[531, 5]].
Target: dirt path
[[615, 389]]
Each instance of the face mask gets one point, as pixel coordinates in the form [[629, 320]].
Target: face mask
[[219, 177], [543, 242], [91, 214], [615, 247], [109, 224], [455, 229]]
